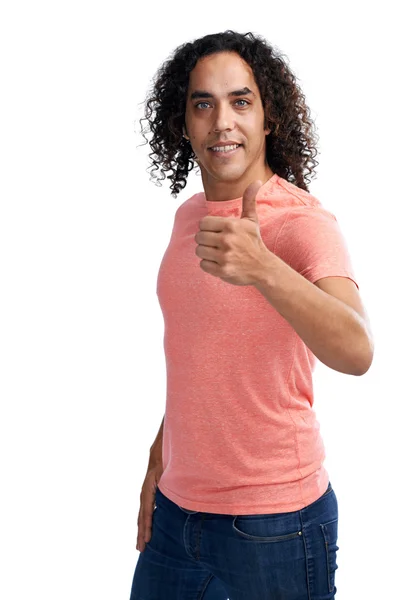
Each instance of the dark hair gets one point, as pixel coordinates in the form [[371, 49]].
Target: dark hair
[[291, 145]]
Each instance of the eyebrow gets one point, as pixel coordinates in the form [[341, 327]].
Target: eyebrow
[[203, 94]]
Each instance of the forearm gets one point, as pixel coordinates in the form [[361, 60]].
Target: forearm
[[156, 448], [332, 330]]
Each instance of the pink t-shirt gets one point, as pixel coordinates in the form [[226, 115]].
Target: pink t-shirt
[[240, 432]]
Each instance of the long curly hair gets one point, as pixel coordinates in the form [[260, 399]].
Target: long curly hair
[[291, 145]]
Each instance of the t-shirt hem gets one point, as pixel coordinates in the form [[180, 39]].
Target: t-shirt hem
[[324, 271], [242, 509]]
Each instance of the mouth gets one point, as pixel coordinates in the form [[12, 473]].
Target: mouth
[[225, 153]]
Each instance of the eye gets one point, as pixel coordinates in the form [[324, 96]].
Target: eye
[[240, 100], [197, 105]]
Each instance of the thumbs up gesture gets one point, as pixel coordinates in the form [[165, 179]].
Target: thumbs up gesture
[[232, 249]]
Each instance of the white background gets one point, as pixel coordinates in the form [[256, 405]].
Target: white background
[[82, 233]]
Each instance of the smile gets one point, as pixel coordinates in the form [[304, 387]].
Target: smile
[[221, 153]]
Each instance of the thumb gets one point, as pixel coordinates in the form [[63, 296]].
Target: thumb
[[249, 204]]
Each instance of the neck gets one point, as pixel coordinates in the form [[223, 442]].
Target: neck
[[219, 191]]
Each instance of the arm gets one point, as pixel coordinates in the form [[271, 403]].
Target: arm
[[156, 448], [334, 332]]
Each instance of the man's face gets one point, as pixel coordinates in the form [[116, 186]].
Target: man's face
[[221, 117]]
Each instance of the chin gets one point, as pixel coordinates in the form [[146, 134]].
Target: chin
[[225, 173]]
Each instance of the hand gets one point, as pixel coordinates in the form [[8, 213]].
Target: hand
[[147, 502], [232, 249]]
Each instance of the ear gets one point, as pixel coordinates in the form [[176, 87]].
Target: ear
[[184, 133], [267, 130]]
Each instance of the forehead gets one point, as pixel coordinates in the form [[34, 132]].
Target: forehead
[[221, 72]]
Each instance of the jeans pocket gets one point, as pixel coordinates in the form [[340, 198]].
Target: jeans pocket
[[256, 529], [330, 533]]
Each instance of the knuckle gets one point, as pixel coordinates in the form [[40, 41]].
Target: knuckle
[[227, 241]]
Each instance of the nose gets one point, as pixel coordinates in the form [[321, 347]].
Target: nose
[[223, 118]]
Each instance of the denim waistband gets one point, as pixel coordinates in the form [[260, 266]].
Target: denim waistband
[[193, 512]]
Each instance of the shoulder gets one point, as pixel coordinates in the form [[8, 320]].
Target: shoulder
[[299, 198]]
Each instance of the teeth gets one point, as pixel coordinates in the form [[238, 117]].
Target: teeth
[[225, 148]]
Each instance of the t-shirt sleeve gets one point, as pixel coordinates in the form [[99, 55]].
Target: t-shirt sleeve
[[312, 243]]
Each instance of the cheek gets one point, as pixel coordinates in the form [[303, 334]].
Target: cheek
[[256, 139]]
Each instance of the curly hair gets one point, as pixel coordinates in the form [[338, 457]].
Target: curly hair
[[291, 145]]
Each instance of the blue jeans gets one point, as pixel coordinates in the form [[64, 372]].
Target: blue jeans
[[195, 555]]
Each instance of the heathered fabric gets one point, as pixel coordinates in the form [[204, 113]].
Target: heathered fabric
[[240, 432]]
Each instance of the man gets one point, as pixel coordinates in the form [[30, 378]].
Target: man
[[255, 284]]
